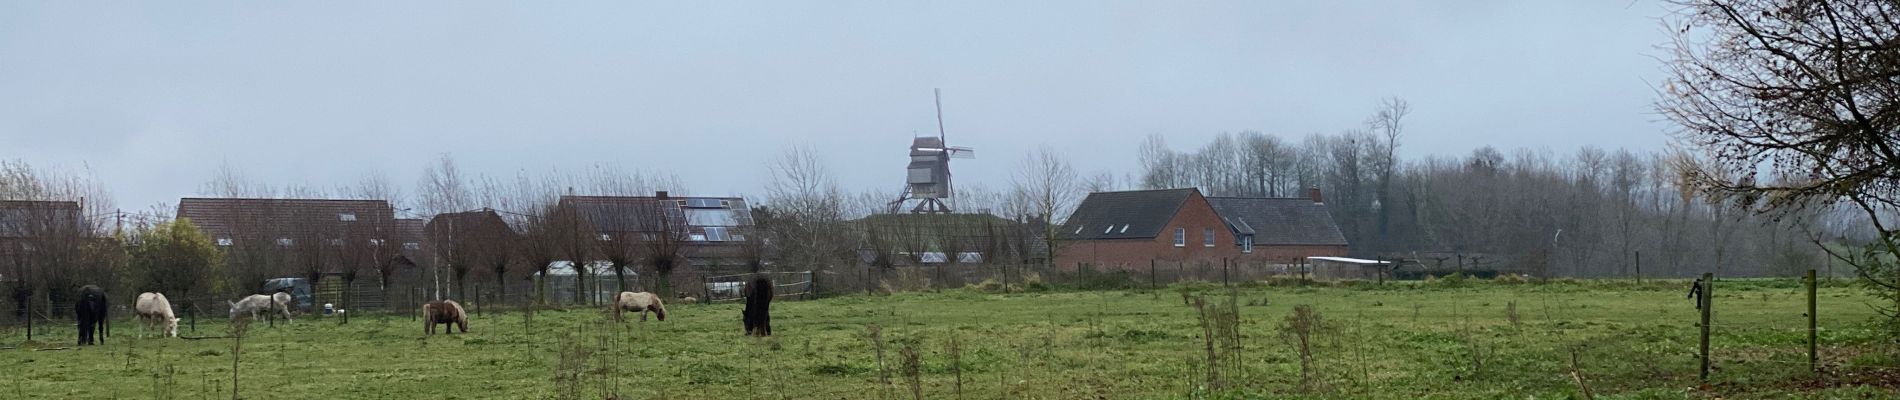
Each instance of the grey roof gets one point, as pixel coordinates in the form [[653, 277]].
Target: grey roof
[[629, 214], [1279, 221], [264, 219], [1138, 214], [20, 218]]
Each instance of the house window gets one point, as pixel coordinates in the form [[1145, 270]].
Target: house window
[[1124, 228], [376, 242], [284, 241], [1111, 229], [1180, 237], [1078, 230], [346, 217], [411, 246], [224, 242], [716, 234], [1246, 244], [606, 238], [1207, 237]]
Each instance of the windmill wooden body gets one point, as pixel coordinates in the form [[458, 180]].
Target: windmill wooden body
[[927, 178]]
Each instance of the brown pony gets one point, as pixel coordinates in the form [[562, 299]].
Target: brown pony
[[641, 302], [445, 312]]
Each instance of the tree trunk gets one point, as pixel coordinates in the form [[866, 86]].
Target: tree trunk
[[665, 284], [580, 285], [541, 289], [461, 285], [348, 299], [501, 286], [388, 303], [620, 276]]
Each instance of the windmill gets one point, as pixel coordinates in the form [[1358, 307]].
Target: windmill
[[927, 178]]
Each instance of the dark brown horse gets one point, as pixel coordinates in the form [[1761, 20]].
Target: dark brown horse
[[758, 308], [445, 312], [91, 312]]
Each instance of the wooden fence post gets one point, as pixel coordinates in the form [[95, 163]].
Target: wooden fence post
[[1639, 267], [1378, 264], [1813, 356], [1707, 301], [1225, 279], [1153, 284]]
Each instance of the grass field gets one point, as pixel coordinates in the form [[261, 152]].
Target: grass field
[[1395, 341]]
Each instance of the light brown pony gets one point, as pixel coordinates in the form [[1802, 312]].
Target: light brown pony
[[641, 302], [445, 312]]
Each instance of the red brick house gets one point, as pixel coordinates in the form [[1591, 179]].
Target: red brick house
[[1130, 229]]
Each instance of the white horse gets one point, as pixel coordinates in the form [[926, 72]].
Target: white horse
[[154, 309], [257, 302]]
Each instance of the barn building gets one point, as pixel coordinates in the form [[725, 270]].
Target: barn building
[[1131, 229]]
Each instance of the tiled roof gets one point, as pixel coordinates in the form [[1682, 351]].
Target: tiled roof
[[21, 218], [1279, 221], [241, 219], [630, 214], [483, 222], [1138, 214]]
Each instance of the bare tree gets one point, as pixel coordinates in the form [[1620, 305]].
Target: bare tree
[[808, 209], [1046, 186], [1101, 181], [54, 247], [1157, 164], [1786, 106], [443, 189], [227, 182]]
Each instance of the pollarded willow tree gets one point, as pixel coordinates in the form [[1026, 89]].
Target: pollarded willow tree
[[1791, 105]]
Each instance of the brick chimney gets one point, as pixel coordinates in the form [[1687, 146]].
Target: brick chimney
[[1313, 193], [662, 194]]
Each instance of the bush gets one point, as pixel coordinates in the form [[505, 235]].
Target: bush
[[1286, 281], [1510, 279], [988, 285], [1087, 278], [1033, 282], [1353, 284]]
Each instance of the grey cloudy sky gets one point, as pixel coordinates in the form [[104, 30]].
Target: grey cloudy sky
[[153, 96]]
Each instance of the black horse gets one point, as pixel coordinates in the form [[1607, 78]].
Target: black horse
[[758, 308], [92, 314]]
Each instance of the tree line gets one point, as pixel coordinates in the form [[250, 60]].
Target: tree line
[[1588, 213]]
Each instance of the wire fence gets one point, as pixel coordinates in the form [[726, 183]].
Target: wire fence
[[793, 285]]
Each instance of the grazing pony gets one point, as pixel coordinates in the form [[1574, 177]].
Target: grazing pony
[[281, 300], [444, 312], [257, 302], [91, 312], [641, 302], [153, 309], [758, 308]]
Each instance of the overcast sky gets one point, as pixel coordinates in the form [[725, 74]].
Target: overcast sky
[[153, 96]]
